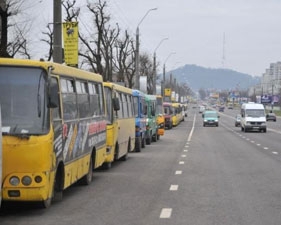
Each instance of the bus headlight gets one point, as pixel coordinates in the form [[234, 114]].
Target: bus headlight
[[26, 180], [38, 179], [14, 181]]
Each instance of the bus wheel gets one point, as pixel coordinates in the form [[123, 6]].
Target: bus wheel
[[107, 165], [87, 179], [138, 144], [47, 203], [154, 138], [170, 126], [143, 142], [148, 139]]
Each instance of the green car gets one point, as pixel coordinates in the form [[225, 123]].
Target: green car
[[210, 118]]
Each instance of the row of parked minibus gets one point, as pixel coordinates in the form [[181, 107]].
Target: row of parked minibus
[[60, 123]]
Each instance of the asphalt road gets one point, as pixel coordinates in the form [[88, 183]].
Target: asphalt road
[[193, 175]]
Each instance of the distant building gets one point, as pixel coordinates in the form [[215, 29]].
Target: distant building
[[271, 80]]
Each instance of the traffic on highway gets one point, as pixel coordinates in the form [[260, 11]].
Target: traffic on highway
[[194, 174]]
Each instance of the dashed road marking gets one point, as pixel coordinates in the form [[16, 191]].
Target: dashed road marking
[[181, 162], [258, 144], [183, 156], [265, 148], [166, 213], [178, 172], [275, 153], [185, 150], [174, 187]]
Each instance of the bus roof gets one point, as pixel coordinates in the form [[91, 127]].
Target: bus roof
[[57, 68], [118, 87]]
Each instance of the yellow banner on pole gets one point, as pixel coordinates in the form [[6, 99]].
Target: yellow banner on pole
[[167, 92], [70, 39]]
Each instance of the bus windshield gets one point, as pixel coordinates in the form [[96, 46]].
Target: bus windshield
[[23, 100]]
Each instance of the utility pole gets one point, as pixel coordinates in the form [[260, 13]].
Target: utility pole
[[57, 48], [137, 76], [154, 66]]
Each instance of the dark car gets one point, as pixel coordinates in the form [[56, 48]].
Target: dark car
[[221, 109], [271, 117], [238, 120]]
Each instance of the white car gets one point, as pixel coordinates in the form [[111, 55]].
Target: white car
[[201, 109]]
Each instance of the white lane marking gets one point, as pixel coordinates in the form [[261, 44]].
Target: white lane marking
[[248, 139], [265, 148], [178, 172], [192, 129], [166, 213], [253, 141], [181, 162], [258, 144], [275, 153], [183, 156], [185, 150], [174, 187]]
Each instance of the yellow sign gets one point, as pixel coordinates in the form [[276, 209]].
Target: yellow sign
[[70, 38], [167, 91]]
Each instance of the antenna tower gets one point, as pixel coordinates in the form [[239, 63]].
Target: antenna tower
[[223, 51]]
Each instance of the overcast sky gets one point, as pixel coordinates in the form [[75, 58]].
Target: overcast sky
[[196, 28]]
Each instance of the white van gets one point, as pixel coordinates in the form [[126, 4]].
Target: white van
[[253, 117]]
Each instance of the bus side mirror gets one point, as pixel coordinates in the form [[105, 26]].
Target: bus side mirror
[[116, 104], [53, 96]]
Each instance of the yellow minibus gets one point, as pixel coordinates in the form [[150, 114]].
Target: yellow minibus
[[53, 127], [120, 118]]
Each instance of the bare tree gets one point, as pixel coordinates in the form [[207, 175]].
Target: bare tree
[[18, 44], [125, 59], [110, 36], [49, 40], [72, 13], [146, 69]]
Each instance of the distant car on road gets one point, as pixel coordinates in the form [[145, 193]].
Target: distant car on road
[[238, 120], [221, 109], [210, 117], [201, 109], [271, 117], [230, 106]]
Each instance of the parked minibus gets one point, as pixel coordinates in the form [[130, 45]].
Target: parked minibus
[[0, 157], [160, 116], [151, 122], [168, 113], [120, 129], [177, 116], [140, 112], [53, 127]]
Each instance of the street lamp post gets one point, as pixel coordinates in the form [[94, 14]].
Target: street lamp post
[[137, 76], [164, 79], [154, 65], [172, 53], [57, 48]]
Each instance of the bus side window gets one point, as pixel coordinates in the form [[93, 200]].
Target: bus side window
[[82, 99], [69, 99], [121, 100], [56, 113], [94, 100], [101, 98]]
